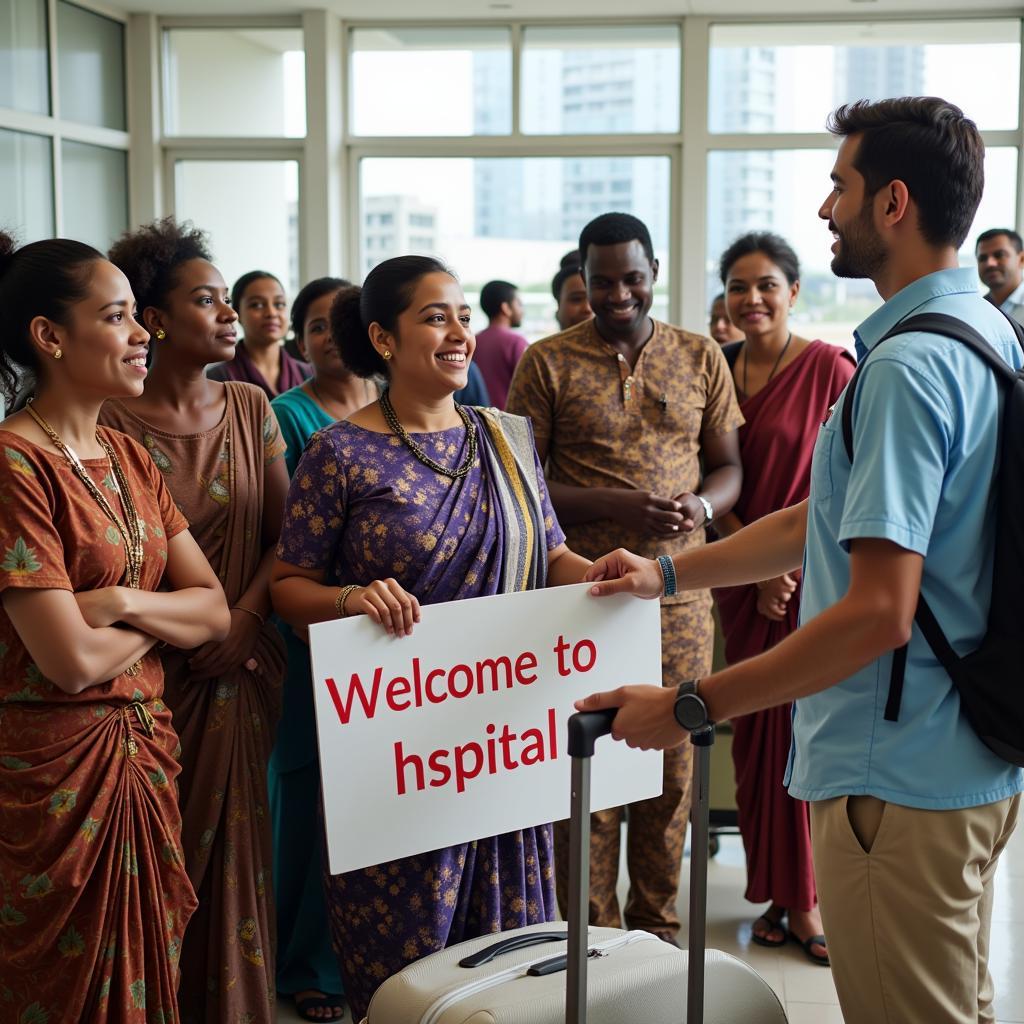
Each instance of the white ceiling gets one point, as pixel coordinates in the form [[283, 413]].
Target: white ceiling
[[475, 9]]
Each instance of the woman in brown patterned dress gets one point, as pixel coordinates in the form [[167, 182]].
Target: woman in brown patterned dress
[[96, 566], [219, 449]]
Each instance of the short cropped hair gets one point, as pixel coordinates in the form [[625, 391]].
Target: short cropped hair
[[929, 145], [494, 294], [613, 229], [986, 236]]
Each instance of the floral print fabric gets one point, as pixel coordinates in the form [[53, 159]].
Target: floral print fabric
[[606, 424], [361, 507], [227, 725], [94, 898]]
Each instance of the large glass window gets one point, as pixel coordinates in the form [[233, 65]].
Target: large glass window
[[26, 185], [781, 191], [260, 77], [508, 218], [24, 67], [90, 51], [250, 209], [788, 77], [94, 193], [431, 81], [600, 80]]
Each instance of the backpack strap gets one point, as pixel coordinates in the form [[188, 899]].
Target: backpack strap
[[933, 323], [950, 327]]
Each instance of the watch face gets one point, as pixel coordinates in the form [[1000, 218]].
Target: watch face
[[690, 712]]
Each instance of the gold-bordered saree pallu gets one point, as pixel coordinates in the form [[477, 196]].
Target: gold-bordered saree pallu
[[508, 454]]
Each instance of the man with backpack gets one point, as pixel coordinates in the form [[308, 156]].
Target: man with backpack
[[901, 705]]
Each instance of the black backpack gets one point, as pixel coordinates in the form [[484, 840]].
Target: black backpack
[[990, 680]]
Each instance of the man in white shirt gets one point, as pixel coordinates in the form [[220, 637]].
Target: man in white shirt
[[1001, 269]]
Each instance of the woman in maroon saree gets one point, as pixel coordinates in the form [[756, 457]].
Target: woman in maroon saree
[[786, 386]]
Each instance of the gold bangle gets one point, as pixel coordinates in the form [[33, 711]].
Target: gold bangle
[[248, 611], [343, 596]]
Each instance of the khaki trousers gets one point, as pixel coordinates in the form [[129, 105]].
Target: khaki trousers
[[656, 832], [906, 901]]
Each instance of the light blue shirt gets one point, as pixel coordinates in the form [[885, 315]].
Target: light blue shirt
[[1013, 304], [926, 427], [1014, 300]]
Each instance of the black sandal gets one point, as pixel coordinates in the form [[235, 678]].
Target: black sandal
[[324, 1002], [774, 924], [805, 944]]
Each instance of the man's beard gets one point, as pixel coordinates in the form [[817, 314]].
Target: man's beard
[[996, 281], [861, 252]]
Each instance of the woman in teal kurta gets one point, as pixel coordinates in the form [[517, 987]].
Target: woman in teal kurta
[[307, 968]]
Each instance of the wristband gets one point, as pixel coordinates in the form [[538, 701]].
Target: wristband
[[668, 572]]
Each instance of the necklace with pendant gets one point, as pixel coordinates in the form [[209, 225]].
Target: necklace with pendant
[[129, 527], [746, 359]]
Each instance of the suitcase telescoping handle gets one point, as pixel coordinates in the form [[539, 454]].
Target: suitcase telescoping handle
[[700, 805], [585, 728]]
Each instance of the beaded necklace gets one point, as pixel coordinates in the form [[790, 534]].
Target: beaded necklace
[[130, 527], [391, 418]]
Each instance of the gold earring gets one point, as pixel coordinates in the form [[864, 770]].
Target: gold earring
[[57, 354], [387, 353], [160, 334]]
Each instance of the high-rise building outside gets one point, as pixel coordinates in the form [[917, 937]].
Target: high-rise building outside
[[394, 226]]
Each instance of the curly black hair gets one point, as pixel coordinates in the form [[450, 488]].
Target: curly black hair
[[150, 256]]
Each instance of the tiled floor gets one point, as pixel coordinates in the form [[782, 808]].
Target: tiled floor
[[807, 990]]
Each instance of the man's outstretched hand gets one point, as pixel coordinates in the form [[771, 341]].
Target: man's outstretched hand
[[645, 718], [622, 572]]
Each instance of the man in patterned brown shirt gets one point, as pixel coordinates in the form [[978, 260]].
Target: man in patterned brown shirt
[[625, 410]]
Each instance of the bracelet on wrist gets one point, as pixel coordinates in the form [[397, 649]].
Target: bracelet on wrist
[[248, 611], [668, 572], [343, 596]]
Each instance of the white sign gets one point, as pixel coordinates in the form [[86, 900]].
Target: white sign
[[459, 731]]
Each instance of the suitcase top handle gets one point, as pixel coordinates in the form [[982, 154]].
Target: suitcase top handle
[[586, 727], [489, 953]]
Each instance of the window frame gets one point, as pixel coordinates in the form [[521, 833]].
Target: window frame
[[329, 199], [56, 128], [515, 143]]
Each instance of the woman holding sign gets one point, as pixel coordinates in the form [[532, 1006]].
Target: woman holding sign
[[415, 499], [96, 567]]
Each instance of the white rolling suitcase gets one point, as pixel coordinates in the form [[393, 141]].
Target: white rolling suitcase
[[538, 975]]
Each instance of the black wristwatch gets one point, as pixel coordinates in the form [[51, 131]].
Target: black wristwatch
[[690, 710]]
